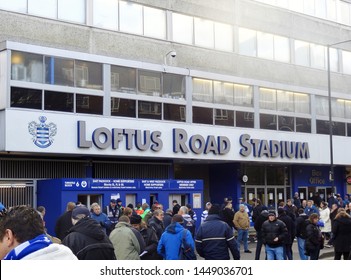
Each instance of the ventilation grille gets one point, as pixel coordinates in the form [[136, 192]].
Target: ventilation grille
[[16, 193]]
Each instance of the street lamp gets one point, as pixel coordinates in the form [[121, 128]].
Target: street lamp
[[331, 171]]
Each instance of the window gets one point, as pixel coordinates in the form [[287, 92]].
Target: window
[[58, 101], [72, 10], [223, 92], [202, 115], [243, 95], [303, 125], [59, 71], [346, 62], [338, 128], [202, 90], [131, 17], [88, 74], [268, 121], [182, 28], [26, 98], [247, 42], [123, 79], [105, 14], [285, 101], [123, 107], [244, 119], [149, 110], [14, 5], [224, 117], [89, 104], [265, 45], [173, 86], [154, 23], [268, 99], [322, 106], [44, 8], [174, 112], [338, 108], [281, 49], [318, 55], [149, 83], [302, 103], [344, 16], [302, 53], [286, 123], [26, 67], [223, 36], [204, 33]]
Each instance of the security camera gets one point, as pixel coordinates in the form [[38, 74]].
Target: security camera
[[173, 54]]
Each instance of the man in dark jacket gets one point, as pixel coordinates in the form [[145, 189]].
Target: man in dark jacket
[[274, 232], [215, 237], [64, 222], [258, 227], [290, 225], [86, 238], [301, 224], [156, 222], [113, 212]]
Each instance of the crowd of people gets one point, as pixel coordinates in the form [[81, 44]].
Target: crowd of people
[[147, 232]]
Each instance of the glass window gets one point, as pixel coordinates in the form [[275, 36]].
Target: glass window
[[243, 95], [58, 101], [282, 3], [348, 109], [224, 117], [26, 98], [296, 5], [308, 7], [59, 71], [268, 121], [14, 5], [256, 175], [348, 129], [204, 33], [247, 42], [302, 53], [89, 104], [149, 83], [338, 108], [331, 9], [286, 123], [123, 107], [333, 59], [173, 86], [337, 127], [318, 54], [276, 176], [344, 16], [44, 8], [105, 14], [245, 119], [321, 8], [123, 79], [265, 45], [182, 28], [223, 36], [285, 101], [346, 62], [302, 103], [154, 23], [268, 99], [72, 10], [202, 90], [174, 112], [88, 74], [322, 127], [223, 92], [303, 125], [26, 67], [202, 115], [131, 17], [322, 106], [149, 110], [281, 49]]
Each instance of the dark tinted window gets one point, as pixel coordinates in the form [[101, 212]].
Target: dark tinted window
[[122, 107], [26, 98], [89, 104], [244, 119], [202, 115], [174, 112], [58, 101]]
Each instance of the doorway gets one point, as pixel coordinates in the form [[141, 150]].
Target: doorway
[[269, 196]]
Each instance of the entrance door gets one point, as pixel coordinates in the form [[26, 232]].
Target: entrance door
[[255, 192], [269, 196]]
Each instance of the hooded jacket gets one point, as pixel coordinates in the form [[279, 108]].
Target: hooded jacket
[[170, 242], [88, 241], [342, 233]]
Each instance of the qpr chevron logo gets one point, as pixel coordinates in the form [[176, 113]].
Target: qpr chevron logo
[[42, 133]]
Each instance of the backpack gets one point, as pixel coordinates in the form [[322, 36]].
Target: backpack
[[185, 251]]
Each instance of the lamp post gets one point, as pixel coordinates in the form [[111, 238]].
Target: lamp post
[[331, 171]]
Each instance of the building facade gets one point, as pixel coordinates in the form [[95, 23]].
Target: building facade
[[231, 92]]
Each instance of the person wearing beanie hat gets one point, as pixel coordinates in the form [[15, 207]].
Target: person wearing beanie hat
[[274, 233], [215, 238], [87, 239], [113, 212], [171, 240]]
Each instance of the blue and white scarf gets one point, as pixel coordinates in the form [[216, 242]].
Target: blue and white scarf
[[28, 247]]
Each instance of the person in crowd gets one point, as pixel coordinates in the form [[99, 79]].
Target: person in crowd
[[86, 238], [304, 204], [290, 226], [331, 199], [324, 216], [113, 212], [226, 200], [346, 199], [149, 236], [146, 209], [176, 206], [167, 219], [127, 241], [258, 227], [23, 237], [296, 200], [242, 224], [188, 222], [119, 206], [139, 210], [171, 240], [100, 217], [301, 223], [332, 215], [156, 222], [131, 206], [316, 198], [340, 200], [342, 235], [127, 211], [348, 211], [214, 238], [274, 232], [150, 213], [313, 237], [42, 211], [205, 212], [311, 208], [64, 222], [227, 214], [290, 209], [257, 209], [191, 212]]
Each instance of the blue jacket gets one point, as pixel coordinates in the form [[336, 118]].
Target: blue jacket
[[214, 238], [102, 219], [169, 244]]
